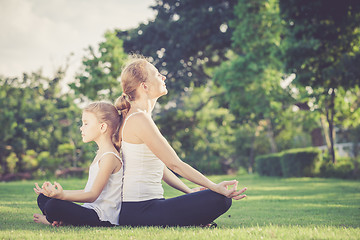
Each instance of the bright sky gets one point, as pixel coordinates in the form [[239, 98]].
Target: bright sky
[[41, 34]]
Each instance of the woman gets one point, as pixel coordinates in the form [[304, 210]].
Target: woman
[[148, 157]]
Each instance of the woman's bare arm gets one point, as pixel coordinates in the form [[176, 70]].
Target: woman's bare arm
[[145, 129], [172, 180]]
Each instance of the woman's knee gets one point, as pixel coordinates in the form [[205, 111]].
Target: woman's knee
[[227, 203], [222, 202]]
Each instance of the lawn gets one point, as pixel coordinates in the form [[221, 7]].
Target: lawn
[[276, 208]]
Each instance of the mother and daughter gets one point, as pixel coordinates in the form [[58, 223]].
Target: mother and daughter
[[127, 190]]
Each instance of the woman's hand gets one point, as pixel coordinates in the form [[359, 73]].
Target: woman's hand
[[223, 189], [53, 191]]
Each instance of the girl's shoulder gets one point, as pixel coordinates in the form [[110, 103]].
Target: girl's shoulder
[[110, 154]]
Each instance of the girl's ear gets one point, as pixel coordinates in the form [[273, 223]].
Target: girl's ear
[[103, 127]]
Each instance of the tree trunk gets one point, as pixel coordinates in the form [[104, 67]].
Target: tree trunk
[[252, 153], [20, 162], [3, 163], [330, 112], [270, 134], [325, 130]]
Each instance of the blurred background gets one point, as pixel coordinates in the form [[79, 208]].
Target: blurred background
[[262, 86]]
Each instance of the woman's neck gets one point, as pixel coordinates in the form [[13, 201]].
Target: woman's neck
[[146, 105]]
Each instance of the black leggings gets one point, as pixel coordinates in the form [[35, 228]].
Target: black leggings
[[192, 209], [69, 212]]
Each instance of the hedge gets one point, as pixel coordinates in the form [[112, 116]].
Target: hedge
[[269, 165], [299, 162], [344, 168], [290, 163]]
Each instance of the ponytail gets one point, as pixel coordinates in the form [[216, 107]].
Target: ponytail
[[122, 104]]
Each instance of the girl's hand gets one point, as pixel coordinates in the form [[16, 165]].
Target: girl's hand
[[222, 188], [37, 189], [53, 191]]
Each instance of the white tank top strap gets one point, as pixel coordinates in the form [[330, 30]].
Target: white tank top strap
[[118, 157], [122, 130]]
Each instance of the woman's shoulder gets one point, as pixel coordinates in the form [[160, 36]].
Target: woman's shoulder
[[136, 118], [141, 124]]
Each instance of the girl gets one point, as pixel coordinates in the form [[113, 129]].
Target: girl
[[102, 193], [147, 157]]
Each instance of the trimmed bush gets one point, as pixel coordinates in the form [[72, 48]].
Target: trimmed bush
[[299, 162], [269, 165], [344, 168]]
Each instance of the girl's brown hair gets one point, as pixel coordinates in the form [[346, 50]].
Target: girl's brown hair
[[133, 74], [107, 113]]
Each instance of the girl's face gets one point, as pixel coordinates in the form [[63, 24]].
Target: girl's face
[[90, 129], [155, 82]]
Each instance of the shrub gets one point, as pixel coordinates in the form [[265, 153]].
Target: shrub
[[299, 162], [344, 167], [269, 165]]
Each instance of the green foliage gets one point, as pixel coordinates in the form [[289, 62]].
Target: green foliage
[[252, 78], [299, 162], [345, 167], [323, 37], [184, 40], [348, 108], [269, 165], [321, 41], [289, 163], [37, 119], [200, 131], [102, 68]]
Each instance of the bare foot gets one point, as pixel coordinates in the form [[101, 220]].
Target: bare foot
[[39, 218], [58, 223]]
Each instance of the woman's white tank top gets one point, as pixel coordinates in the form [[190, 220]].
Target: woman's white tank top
[[143, 172], [108, 204]]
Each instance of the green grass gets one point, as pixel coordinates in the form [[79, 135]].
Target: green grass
[[276, 208]]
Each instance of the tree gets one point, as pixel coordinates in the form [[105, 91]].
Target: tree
[[322, 49], [38, 119], [252, 77], [200, 130], [185, 39], [101, 69]]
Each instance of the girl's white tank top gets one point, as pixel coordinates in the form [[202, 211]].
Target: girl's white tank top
[[108, 204], [143, 171]]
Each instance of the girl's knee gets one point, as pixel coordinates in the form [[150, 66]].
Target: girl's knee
[[52, 207], [42, 198]]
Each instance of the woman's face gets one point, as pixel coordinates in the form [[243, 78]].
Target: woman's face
[[155, 82]]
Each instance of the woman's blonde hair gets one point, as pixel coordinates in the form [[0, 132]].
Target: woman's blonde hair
[[107, 113], [133, 74]]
